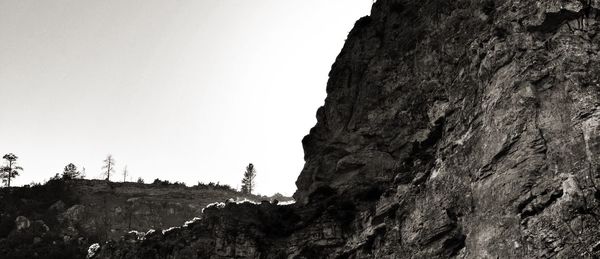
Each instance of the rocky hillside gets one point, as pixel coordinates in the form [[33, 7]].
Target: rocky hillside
[[61, 219], [451, 128]]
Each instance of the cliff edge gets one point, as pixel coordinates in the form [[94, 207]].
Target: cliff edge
[[463, 128]]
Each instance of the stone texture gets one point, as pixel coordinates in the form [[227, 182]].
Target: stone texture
[[61, 219], [113, 209], [462, 128]]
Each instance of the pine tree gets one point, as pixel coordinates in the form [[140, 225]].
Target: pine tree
[[248, 180], [70, 172], [11, 169]]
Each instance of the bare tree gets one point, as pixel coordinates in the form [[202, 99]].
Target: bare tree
[[109, 166], [11, 169], [248, 180], [125, 173]]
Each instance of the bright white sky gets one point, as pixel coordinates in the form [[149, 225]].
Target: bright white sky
[[186, 90]]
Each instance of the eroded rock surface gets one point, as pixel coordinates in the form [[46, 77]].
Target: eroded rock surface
[[466, 129]]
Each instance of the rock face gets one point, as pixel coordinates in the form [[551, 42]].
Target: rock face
[[460, 128], [113, 209], [61, 219]]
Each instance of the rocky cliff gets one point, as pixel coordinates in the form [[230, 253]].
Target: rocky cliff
[[451, 128], [62, 218]]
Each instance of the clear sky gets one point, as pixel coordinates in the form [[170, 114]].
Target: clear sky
[[184, 90]]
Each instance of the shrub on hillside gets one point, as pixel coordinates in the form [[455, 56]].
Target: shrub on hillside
[[214, 186], [167, 183]]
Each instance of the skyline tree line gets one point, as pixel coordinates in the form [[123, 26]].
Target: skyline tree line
[[11, 169]]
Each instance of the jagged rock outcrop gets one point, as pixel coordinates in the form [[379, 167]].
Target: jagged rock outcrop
[[466, 129]]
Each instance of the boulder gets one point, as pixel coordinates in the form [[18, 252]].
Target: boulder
[[22, 223]]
